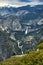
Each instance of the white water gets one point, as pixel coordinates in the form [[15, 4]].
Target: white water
[[20, 47], [26, 31], [22, 51]]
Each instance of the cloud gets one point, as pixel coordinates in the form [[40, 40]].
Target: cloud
[[19, 3]]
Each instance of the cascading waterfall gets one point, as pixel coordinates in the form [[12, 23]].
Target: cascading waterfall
[[20, 47], [26, 31]]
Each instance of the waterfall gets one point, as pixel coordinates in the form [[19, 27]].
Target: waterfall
[[22, 51], [20, 47], [26, 31]]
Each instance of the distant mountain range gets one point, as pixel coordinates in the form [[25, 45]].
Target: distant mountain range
[[22, 27]]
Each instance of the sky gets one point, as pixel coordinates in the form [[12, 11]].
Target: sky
[[19, 3]]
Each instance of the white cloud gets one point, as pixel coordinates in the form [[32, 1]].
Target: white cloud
[[18, 3]]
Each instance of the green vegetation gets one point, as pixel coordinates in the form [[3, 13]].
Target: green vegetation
[[40, 44], [28, 38], [32, 58]]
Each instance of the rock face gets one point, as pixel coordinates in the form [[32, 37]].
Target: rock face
[[8, 47], [24, 25]]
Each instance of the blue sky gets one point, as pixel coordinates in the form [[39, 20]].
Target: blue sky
[[18, 3]]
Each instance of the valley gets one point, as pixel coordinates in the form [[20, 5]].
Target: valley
[[20, 29]]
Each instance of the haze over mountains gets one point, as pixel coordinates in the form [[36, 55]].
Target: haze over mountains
[[22, 27]]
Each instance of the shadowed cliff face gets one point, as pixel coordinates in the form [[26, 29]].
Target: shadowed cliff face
[[8, 47]]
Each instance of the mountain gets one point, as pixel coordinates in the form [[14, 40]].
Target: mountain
[[32, 57], [22, 27]]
